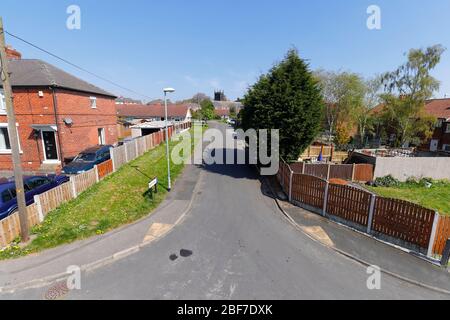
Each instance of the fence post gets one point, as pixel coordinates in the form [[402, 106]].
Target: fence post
[[353, 172], [111, 152], [136, 146], [97, 178], [325, 199], [303, 167], [329, 170], [446, 254], [371, 212], [37, 200], [125, 146], [291, 175], [74, 188], [433, 234]]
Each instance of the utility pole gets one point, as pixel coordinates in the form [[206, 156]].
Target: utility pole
[[13, 138]]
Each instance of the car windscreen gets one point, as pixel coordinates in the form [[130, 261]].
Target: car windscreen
[[85, 157]]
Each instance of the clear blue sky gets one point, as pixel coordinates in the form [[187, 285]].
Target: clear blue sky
[[202, 45]]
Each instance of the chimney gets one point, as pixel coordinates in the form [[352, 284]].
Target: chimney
[[12, 53]]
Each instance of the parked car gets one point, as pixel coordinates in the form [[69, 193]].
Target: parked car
[[33, 185], [87, 159], [126, 140]]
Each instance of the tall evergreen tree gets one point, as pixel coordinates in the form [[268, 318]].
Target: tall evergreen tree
[[287, 98]]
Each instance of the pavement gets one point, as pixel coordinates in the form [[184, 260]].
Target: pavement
[[224, 237]]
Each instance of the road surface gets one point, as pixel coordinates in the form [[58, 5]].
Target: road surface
[[235, 244]]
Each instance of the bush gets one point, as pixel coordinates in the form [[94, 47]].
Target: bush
[[387, 181]]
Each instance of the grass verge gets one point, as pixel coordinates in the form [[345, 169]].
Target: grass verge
[[119, 199]]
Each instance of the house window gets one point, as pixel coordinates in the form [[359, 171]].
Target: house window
[[2, 102], [439, 123], [101, 136], [446, 147], [93, 102], [5, 145]]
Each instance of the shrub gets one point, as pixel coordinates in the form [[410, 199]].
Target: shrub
[[387, 181]]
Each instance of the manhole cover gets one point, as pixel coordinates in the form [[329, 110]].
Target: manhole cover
[[57, 291]]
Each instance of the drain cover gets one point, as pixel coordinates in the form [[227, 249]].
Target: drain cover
[[57, 291]]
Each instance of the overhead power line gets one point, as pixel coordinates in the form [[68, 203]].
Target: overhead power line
[[75, 65]]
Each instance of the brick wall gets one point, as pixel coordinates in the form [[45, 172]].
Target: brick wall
[[32, 109]]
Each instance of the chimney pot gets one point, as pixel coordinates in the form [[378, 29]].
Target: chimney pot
[[12, 53]]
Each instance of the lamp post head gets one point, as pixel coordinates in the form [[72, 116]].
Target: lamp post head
[[169, 90]]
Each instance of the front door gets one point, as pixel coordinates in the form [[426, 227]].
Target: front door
[[434, 145], [50, 148]]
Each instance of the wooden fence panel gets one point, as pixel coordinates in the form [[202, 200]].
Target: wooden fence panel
[[283, 176], [53, 198], [341, 171], [319, 170], [309, 190], [105, 169], [33, 215], [403, 220], [149, 142], [349, 203], [141, 146], [297, 167], [131, 150], [85, 180], [442, 235], [10, 227], [364, 172], [119, 156]]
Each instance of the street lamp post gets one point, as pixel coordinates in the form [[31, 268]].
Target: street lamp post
[[167, 90]]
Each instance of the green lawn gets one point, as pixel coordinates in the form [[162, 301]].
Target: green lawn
[[437, 197], [117, 200]]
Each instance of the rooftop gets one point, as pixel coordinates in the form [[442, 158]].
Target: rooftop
[[149, 111], [38, 73]]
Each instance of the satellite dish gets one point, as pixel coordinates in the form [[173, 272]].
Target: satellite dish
[[68, 121]]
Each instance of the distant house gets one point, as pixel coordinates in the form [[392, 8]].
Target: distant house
[[224, 114], [58, 115], [140, 113], [440, 108], [123, 100]]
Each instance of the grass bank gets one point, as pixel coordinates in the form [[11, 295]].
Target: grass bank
[[437, 197], [119, 199]]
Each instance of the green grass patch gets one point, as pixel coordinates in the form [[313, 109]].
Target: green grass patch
[[437, 197], [119, 199]]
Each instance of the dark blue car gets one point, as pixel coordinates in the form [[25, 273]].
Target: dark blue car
[[87, 159], [33, 186]]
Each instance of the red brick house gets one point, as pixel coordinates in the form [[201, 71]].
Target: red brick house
[[440, 108], [57, 114]]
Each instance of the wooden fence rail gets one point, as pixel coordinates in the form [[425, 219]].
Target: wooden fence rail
[[53, 198], [351, 172]]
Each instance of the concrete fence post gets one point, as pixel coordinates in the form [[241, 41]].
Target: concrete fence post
[[353, 172], [112, 155], [329, 171], [125, 146], [325, 199], [371, 213], [97, 178], [74, 187], [433, 234], [291, 176], [37, 200], [303, 168]]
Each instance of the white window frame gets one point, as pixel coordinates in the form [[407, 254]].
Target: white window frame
[[439, 123], [93, 101], [52, 161], [2, 102], [9, 151], [101, 132]]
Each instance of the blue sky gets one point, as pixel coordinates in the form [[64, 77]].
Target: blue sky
[[202, 45]]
